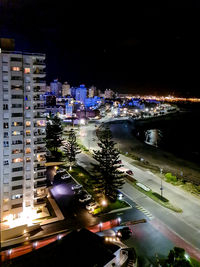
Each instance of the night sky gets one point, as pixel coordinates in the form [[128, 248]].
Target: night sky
[[131, 50]]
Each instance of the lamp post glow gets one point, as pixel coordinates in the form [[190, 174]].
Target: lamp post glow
[[104, 203], [100, 226]]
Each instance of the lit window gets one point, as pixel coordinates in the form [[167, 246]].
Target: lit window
[[28, 151], [28, 124], [28, 132], [17, 160], [28, 159], [28, 141], [27, 70], [15, 68]]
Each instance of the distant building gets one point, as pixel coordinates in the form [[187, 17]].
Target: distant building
[[73, 92], [50, 100], [91, 102], [92, 91], [108, 93], [56, 88], [81, 93], [66, 90]]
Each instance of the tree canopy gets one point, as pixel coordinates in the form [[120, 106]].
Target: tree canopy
[[107, 177]]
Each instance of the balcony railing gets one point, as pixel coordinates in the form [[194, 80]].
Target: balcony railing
[[39, 168], [40, 184], [37, 62]]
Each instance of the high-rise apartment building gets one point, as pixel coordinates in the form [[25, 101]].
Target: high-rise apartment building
[[81, 93], [56, 88], [22, 132], [66, 90], [92, 91]]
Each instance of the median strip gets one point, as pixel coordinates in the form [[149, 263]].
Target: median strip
[[153, 195]]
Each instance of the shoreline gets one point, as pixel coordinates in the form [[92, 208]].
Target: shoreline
[[153, 158]]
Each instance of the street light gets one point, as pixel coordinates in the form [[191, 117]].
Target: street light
[[161, 186]]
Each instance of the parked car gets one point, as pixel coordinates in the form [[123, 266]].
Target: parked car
[[129, 172], [124, 233], [65, 176], [91, 205], [76, 187], [85, 198]]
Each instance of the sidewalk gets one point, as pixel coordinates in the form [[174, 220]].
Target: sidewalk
[[59, 215]]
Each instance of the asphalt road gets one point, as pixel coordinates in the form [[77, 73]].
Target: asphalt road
[[185, 225], [144, 235]]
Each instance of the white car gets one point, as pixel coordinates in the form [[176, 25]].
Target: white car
[[85, 198], [91, 206], [65, 176], [76, 187]]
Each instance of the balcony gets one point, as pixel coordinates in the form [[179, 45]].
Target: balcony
[[39, 184], [38, 99], [39, 63], [39, 107], [39, 116], [39, 195], [40, 150], [39, 201], [39, 134], [39, 143], [40, 168], [39, 89]]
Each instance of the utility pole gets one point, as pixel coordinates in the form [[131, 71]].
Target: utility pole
[[161, 185]]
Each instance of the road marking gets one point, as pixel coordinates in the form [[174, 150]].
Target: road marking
[[146, 212]]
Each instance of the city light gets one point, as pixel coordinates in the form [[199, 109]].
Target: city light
[[104, 203], [82, 121]]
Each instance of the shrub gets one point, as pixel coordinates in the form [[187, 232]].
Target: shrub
[[170, 177]]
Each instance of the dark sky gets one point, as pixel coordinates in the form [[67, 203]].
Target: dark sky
[[120, 47]]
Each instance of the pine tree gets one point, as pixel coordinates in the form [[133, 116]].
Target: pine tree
[[108, 179], [54, 134], [71, 149]]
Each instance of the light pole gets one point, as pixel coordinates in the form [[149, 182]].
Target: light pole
[[161, 186]]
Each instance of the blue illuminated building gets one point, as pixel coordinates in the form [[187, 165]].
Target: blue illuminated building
[[81, 93]]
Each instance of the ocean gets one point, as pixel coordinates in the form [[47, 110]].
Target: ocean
[[178, 134]]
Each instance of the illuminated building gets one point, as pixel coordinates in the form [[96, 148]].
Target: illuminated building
[[81, 93], [56, 88], [66, 90], [22, 132]]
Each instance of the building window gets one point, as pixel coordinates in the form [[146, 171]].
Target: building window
[[17, 115], [28, 150], [16, 196], [17, 142], [5, 106], [6, 162], [16, 105], [28, 124], [16, 187], [5, 135], [14, 133], [17, 178], [28, 159], [28, 141], [6, 143], [27, 70], [16, 206], [18, 169], [28, 88], [28, 133], [16, 123], [17, 160], [15, 69], [5, 125], [17, 151], [17, 97]]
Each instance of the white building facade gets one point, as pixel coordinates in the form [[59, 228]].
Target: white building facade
[[22, 132]]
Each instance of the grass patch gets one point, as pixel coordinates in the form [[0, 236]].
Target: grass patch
[[85, 178], [160, 197], [156, 197], [194, 262]]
